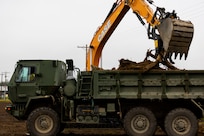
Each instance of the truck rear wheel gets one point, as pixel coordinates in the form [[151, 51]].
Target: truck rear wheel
[[140, 121], [181, 121], [43, 121]]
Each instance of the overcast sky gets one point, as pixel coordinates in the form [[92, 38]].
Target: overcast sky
[[53, 29]]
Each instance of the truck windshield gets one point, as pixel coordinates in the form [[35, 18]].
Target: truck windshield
[[26, 74]]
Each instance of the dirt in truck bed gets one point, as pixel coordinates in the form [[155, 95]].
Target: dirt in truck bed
[[146, 65], [126, 64], [9, 126]]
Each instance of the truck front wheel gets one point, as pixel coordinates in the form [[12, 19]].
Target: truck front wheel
[[140, 121], [43, 121], [181, 122]]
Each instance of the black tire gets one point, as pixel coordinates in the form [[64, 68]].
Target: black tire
[[140, 121], [43, 121], [181, 122]]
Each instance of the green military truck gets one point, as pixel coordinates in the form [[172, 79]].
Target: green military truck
[[52, 95]]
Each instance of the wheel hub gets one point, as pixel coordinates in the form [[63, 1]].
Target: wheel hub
[[44, 124], [140, 124], [181, 125]]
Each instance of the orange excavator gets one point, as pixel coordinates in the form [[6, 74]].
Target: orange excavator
[[170, 34]]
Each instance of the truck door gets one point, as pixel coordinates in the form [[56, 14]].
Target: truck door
[[25, 81]]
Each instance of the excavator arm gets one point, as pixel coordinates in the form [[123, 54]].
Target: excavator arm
[[101, 36], [166, 24]]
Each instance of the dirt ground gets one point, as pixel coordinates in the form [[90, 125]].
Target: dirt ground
[[9, 126]]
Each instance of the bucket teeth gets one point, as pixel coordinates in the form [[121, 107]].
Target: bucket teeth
[[176, 50], [181, 55], [175, 55], [186, 55]]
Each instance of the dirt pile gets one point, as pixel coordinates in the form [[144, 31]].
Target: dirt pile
[[126, 64]]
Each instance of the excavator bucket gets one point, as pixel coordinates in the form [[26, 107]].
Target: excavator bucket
[[176, 36]]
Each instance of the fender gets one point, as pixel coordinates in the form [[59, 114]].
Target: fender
[[50, 100]]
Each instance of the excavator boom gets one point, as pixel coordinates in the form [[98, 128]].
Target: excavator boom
[[104, 32], [174, 36]]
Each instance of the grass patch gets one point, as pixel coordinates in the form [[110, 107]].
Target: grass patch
[[5, 100]]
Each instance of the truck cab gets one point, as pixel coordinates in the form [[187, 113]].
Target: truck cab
[[34, 81]]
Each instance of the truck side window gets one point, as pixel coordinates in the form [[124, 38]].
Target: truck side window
[[26, 74]]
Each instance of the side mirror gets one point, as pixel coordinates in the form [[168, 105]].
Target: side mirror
[[70, 64]]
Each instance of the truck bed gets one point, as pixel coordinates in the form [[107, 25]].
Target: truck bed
[[156, 84]]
